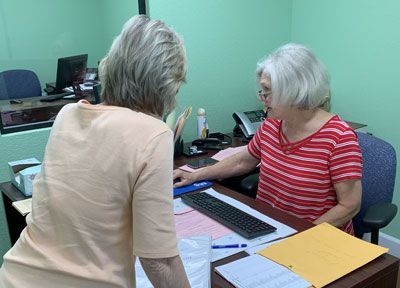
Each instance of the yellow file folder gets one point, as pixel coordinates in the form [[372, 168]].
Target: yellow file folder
[[322, 254]]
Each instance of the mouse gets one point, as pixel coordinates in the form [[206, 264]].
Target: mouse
[[176, 180]]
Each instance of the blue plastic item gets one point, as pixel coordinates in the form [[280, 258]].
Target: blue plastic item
[[193, 187]]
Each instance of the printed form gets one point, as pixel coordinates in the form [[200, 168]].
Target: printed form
[[256, 271], [220, 234]]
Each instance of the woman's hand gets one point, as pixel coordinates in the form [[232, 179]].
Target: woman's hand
[[183, 178]]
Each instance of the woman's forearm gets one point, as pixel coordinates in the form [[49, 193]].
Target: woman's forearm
[[237, 164], [338, 215], [165, 272]]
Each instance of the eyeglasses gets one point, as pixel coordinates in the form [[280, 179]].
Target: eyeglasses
[[262, 95]]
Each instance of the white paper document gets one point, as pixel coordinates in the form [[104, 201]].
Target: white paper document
[[281, 231], [256, 271], [23, 206], [255, 249], [195, 253], [234, 238]]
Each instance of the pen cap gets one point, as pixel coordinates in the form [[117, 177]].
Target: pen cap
[[202, 126]]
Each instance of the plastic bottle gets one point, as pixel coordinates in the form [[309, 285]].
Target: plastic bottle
[[202, 126]]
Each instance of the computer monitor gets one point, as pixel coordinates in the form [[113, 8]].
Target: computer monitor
[[69, 70]]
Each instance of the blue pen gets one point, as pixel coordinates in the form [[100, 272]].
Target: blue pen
[[229, 246]]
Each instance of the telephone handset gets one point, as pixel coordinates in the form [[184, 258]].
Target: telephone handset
[[249, 121]]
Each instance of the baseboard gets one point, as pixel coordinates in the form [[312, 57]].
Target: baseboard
[[387, 241]]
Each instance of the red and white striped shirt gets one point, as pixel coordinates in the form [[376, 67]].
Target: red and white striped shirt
[[298, 177]]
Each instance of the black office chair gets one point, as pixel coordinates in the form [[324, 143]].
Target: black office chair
[[249, 185], [19, 83], [379, 173]]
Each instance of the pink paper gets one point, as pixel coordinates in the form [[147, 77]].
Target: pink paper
[[218, 156], [194, 223], [228, 152], [188, 169]]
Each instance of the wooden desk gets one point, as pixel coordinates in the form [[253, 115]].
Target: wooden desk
[[30, 114], [15, 221], [379, 273]]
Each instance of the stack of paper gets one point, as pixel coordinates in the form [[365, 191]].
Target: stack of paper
[[196, 257], [322, 254], [23, 206], [221, 155], [190, 222], [180, 122], [255, 271]]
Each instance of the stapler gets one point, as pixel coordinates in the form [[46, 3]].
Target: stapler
[[208, 143]]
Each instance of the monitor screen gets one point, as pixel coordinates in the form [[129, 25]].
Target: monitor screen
[[69, 70]]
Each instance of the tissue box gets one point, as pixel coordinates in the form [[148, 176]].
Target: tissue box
[[22, 173]]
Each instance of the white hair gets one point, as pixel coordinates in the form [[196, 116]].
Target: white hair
[[297, 77], [144, 68]]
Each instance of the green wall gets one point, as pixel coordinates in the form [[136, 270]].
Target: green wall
[[224, 40], [359, 42], [114, 15], [33, 35], [17, 146]]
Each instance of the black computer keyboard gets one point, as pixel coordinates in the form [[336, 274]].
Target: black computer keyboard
[[232, 217], [55, 97]]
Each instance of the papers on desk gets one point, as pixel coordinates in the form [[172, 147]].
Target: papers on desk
[[256, 271], [218, 156], [82, 86], [23, 206], [221, 155], [323, 254], [255, 249], [180, 122], [220, 236], [195, 253], [191, 222]]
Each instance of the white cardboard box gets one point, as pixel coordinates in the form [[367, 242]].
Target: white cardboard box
[[22, 173]]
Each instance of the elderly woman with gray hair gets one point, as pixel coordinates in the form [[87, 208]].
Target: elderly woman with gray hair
[[104, 196], [310, 159]]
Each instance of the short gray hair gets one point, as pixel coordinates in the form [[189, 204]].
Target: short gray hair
[[144, 68], [298, 78]]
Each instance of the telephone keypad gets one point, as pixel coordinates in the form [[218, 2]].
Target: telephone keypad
[[255, 116]]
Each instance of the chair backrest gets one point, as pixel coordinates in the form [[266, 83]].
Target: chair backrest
[[379, 174], [19, 83]]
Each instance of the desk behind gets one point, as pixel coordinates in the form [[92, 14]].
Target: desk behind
[[30, 114]]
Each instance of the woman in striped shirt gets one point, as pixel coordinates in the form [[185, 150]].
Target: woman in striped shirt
[[310, 159]]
